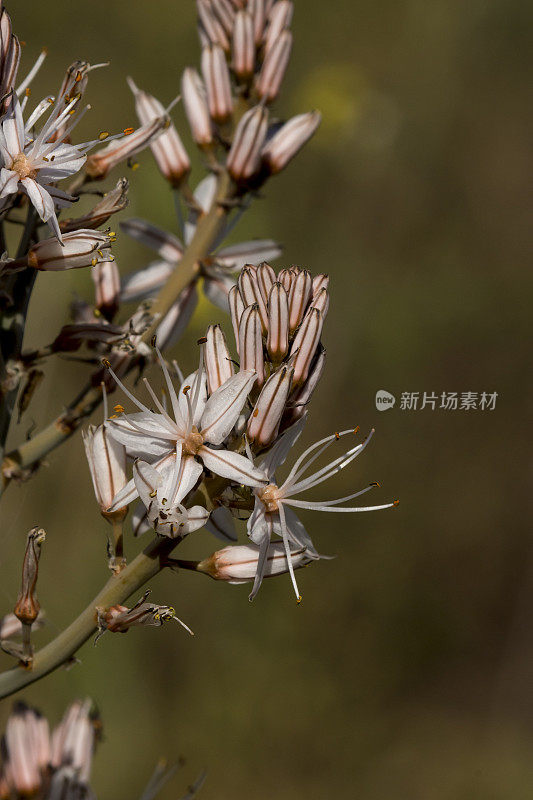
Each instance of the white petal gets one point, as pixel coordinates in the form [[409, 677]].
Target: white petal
[[197, 518], [144, 283], [9, 182], [236, 256], [190, 471], [13, 128], [224, 406], [277, 454], [125, 496], [190, 380], [232, 466], [147, 480], [153, 444], [164, 243], [297, 533], [40, 199]]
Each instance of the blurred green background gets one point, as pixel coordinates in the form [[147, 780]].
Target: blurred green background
[[407, 670]]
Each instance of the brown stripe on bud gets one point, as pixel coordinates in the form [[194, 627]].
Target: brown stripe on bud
[[106, 281], [218, 363], [195, 105], [320, 281], [251, 342], [236, 307], [251, 293], [266, 278], [217, 81], [243, 60], [321, 301], [278, 323], [99, 164], [264, 420], [244, 157], [210, 25], [305, 344], [300, 399], [299, 297], [279, 18], [273, 69], [258, 12], [289, 140]]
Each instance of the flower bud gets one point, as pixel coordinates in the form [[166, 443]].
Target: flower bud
[[112, 202], [258, 12], [99, 164], [26, 750], [217, 82], [243, 61], [27, 607], [244, 157], [286, 277], [9, 58], [218, 364], [107, 464], [251, 342], [176, 320], [83, 248], [266, 278], [74, 740], [250, 293], [210, 25], [168, 150], [289, 140], [278, 323], [306, 342], [320, 282], [273, 68], [279, 18], [224, 13], [195, 105], [321, 301], [264, 420], [106, 281], [299, 297], [236, 308], [300, 399], [238, 563]]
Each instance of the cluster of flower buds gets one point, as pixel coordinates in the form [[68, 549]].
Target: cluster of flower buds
[[56, 764], [245, 53], [37, 762], [277, 323]]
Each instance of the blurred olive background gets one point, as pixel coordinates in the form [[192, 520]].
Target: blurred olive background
[[407, 670]]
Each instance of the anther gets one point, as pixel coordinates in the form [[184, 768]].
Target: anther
[[118, 408], [106, 363], [186, 389], [103, 135], [337, 435], [203, 340], [128, 131], [396, 503], [153, 341], [153, 494]]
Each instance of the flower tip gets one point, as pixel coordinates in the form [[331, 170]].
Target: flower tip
[[396, 503], [299, 600]]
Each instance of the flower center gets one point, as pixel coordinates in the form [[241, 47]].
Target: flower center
[[22, 166], [269, 496], [193, 442]]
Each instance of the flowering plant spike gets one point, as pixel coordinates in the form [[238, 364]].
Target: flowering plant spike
[[188, 452]]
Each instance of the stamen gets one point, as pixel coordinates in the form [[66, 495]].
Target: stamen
[[126, 391], [285, 537]]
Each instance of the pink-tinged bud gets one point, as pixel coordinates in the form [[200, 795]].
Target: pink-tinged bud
[[112, 202], [108, 467], [286, 277], [243, 48], [236, 308], [217, 81], [83, 248], [9, 57], [244, 158], [289, 140], [106, 281], [27, 607], [218, 363], [299, 297], [168, 150], [210, 25], [74, 741], [170, 329], [266, 278], [320, 282], [26, 751], [273, 68], [251, 293], [263, 424], [225, 14], [279, 18], [258, 11], [99, 164], [195, 105], [278, 323], [251, 342], [305, 343], [238, 563], [300, 399]]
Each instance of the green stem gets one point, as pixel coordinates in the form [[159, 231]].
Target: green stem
[[118, 588]]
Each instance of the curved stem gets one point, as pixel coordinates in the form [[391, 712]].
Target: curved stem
[[118, 588]]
